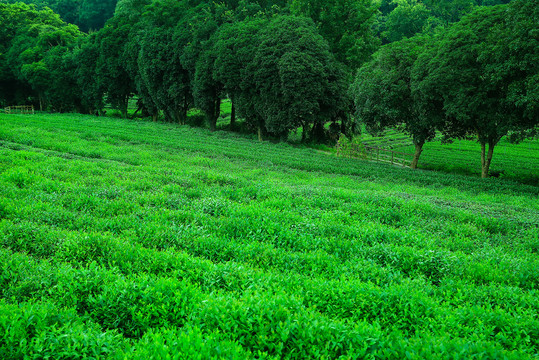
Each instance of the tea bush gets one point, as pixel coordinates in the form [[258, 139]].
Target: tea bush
[[130, 240]]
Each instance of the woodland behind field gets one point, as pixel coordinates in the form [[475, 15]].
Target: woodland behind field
[[462, 68]]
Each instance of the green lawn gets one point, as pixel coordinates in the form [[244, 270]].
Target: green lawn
[[129, 239]]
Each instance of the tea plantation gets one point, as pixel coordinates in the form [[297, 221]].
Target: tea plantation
[[516, 162], [134, 240]]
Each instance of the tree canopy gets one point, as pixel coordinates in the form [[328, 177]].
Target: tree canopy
[[485, 68], [35, 56], [477, 78], [86, 14], [383, 96], [458, 67]]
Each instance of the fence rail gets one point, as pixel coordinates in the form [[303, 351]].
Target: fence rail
[[390, 156], [20, 109], [374, 153]]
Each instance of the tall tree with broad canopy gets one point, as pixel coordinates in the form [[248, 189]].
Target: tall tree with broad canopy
[[111, 68], [20, 29], [85, 57], [383, 97], [450, 11], [88, 15], [163, 75], [199, 57], [131, 12], [511, 60], [297, 81], [38, 53], [207, 91], [483, 72], [235, 45]]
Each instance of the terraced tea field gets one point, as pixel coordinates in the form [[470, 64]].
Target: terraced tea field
[[518, 162], [132, 240]]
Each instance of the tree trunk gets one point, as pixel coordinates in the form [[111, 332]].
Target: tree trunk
[[124, 109], [233, 117], [318, 133], [184, 110], [260, 130], [213, 122], [417, 154], [180, 116], [217, 108], [486, 157], [169, 115], [215, 114], [304, 132], [183, 116], [344, 121]]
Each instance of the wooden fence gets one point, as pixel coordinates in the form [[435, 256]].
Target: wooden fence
[[375, 153], [389, 156], [20, 109]]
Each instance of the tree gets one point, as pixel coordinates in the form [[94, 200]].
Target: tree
[[199, 57], [511, 58], [164, 77], [36, 55], [207, 91], [406, 20], [235, 45], [296, 80], [133, 14], [386, 6], [383, 97], [450, 11], [85, 57], [20, 28], [87, 14], [131, 9], [483, 73], [111, 69], [347, 25]]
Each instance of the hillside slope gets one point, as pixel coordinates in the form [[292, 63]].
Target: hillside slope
[[125, 239]]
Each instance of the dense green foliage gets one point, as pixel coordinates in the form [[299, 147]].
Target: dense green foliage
[[346, 24], [87, 14], [383, 94], [405, 18], [285, 65], [477, 79], [484, 76], [126, 238], [36, 58]]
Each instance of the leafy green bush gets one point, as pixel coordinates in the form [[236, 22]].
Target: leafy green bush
[[352, 148], [41, 331], [180, 242], [186, 343]]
